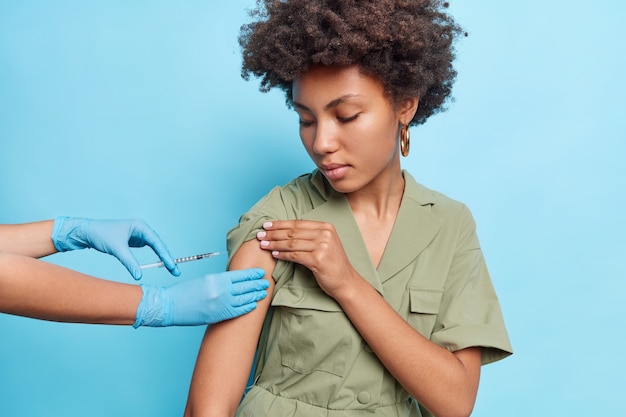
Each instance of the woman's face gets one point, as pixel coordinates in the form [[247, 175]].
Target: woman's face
[[349, 126]]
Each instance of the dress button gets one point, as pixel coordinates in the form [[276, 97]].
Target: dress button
[[364, 397]]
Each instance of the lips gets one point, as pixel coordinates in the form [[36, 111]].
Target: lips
[[334, 171]]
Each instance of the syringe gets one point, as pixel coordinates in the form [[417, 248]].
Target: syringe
[[185, 259]]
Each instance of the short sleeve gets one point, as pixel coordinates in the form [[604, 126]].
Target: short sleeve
[[252, 221], [288, 202], [267, 208], [470, 313]]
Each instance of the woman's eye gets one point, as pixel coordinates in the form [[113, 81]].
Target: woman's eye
[[305, 123], [347, 119]]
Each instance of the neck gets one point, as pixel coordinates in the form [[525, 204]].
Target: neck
[[380, 199]]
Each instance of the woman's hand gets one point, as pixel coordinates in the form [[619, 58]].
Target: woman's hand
[[315, 245]]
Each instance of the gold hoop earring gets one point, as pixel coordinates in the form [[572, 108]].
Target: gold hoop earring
[[405, 140]]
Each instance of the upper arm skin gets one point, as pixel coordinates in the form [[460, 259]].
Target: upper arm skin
[[228, 347]]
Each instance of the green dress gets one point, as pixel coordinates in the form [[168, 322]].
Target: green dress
[[311, 361]]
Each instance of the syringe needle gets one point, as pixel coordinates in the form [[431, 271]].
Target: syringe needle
[[182, 260]]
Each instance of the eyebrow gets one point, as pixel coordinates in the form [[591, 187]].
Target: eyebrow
[[334, 103]]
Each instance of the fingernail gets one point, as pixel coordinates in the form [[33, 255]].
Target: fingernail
[[274, 253], [265, 243], [267, 225], [261, 235]]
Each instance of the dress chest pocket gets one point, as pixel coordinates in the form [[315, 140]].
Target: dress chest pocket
[[314, 334], [424, 304]]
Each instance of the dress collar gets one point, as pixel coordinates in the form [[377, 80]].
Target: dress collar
[[415, 227]]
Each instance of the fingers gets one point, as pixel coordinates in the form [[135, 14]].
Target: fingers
[[297, 229], [129, 261], [164, 254], [292, 224], [295, 236], [246, 287], [142, 235], [277, 243], [241, 310], [242, 275], [250, 298]]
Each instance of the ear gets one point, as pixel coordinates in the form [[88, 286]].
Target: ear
[[407, 109]]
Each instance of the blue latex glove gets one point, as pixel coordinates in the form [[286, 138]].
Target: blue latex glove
[[114, 237], [200, 301]]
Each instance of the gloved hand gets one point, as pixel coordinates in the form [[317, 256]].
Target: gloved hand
[[206, 300], [114, 237]]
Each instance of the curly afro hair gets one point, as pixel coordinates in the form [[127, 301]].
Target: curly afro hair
[[406, 44]]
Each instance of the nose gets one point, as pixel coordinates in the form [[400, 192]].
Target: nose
[[325, 139]]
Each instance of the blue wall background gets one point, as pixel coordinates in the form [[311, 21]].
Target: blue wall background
[[136, 109]]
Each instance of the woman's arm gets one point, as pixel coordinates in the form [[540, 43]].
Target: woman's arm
[[28, 239], [37, 289], [444, 382], [227, 351]]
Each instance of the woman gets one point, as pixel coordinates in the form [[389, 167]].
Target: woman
[[33, 288], [382, 304]]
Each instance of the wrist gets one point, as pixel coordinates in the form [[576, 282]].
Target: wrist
[[351, 291], [57, 238], [67, 233], [151, 311]]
